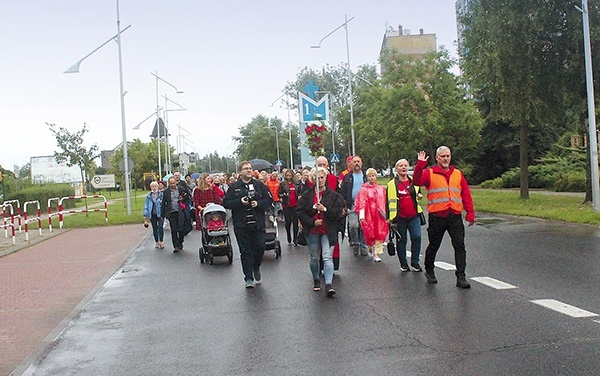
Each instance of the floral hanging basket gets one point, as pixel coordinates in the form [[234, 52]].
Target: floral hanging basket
[[315, 136]]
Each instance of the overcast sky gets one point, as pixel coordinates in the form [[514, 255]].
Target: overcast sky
[[231, 59]]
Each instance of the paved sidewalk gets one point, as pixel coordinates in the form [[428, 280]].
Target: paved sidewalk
[[45, 283]]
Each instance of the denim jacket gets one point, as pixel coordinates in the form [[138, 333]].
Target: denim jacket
[[157, 204]]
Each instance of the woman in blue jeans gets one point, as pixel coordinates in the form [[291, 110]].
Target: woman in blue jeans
[[320, 211], [404, 212], [153, 211]]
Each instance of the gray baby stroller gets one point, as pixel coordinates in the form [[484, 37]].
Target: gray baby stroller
[[271, 232], [215, 234]]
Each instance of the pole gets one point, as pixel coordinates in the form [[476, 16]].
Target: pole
[[591, 107], [332, 120], [350, 87], [124, 129], [287, 100], [158, 129]]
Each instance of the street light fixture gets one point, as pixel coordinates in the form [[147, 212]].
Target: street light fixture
[[345, 25], [75, 69], [167, 148], [287, 102], [158, 117]]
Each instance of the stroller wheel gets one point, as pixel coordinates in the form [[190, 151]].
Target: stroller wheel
[[210, 258], [201, 255]]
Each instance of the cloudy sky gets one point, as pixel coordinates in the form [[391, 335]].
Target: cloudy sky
[[231, 59]]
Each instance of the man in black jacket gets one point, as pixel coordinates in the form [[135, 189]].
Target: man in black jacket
[[248, 199], [175, 208], [351, 184]]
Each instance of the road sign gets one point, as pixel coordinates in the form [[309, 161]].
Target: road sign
[[278, 163], [309, 108], [103, 181], [334, 158]]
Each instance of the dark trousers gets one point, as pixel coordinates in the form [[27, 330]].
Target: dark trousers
[[251, 243], [177, 229], [291, 222], [455, 227]]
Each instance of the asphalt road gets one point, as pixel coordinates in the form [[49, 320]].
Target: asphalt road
[[164, 313]]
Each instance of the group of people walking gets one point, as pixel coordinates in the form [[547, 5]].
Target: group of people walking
[[318, 206]]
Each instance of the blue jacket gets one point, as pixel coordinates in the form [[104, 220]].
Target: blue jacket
[[156, 203]]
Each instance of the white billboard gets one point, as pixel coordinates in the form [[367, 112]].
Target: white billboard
[[47, 170]]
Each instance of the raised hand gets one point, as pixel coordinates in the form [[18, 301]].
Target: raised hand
[[422, 156]]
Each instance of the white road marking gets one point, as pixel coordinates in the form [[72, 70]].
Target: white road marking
[[563, 308], [494, 283], [444, 265]]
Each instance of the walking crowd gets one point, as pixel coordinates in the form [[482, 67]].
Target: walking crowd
[[317, 206]]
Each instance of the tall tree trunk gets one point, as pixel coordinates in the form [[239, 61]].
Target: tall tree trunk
[[523, 160]]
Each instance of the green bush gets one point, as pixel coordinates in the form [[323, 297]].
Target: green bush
[[556, 174], [43, 192]]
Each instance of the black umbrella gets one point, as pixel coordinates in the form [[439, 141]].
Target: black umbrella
[[260, 164]]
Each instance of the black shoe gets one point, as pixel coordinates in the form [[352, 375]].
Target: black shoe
[[295, 244], [430, 277], [329, 290], [404, 269], [176, 250], [417, 268], [316, 285], [257, 276], [462, 283]]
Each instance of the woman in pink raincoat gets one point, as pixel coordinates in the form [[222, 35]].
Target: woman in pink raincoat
[[370, 204]]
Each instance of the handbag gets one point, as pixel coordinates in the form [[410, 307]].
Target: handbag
[[300, 238], [391, 247], [423, 220]]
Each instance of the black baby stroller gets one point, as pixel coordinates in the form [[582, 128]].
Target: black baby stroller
[[271, 232], [215, 234]]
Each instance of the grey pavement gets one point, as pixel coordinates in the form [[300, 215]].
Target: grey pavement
[[163, 313]]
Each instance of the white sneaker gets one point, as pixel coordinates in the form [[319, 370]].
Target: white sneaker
[[377, 259]]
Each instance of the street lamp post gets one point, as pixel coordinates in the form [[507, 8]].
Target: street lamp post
[[75, 69], [591, 107], [158, 117], [345, 26], [276, 137], [167, 148], [287, 102]]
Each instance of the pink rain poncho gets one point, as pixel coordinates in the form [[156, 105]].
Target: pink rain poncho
[[372, 200]]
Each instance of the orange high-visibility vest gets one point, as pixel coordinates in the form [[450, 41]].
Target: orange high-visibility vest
[[443, 195]]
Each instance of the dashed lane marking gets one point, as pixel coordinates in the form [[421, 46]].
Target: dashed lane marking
[[494, 283], [444, 265], [563, 308]]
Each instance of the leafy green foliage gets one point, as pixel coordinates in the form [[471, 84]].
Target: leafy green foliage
[[419, 106], [73, 152]]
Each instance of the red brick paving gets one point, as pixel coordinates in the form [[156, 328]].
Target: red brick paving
[[40, 285]]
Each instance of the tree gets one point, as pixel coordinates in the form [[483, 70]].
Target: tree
[[523, 61], [418, 105], [144, 157], [73, 152]]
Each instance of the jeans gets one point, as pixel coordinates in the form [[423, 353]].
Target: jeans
[[413, 225], [251, 243], [318, 244], [291, 223], [455, 227], [157, 228], [355, 233]]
